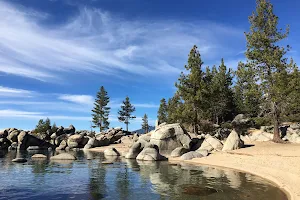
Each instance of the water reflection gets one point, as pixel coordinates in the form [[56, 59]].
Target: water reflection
[[89, 178]]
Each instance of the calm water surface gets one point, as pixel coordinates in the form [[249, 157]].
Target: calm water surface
[[89, 178]]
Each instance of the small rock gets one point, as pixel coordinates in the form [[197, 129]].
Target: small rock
[[179, 151], [19, 160], [63, 156], [39, 156], [190, 155]]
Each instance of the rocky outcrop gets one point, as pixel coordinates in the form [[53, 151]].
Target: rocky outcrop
[[170, 136], [38, 156], [25, 140], [233, 142]]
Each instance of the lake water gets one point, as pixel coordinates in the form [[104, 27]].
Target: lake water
[[90, 178]]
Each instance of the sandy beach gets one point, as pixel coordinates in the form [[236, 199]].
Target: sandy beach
[[279, 163]]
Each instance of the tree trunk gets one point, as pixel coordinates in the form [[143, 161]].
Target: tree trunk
[[195, 122], [275, 112]]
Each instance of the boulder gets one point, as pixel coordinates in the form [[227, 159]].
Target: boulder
[[13, 146], [150, 154], [13, 136], [91, 143], [63, 156], [118, 128], [74, 141], [101, 140], [190, 155], [4, 143], [111, 152], [179, 151], [211, 143], [203, 152], [34, 148], [3, 134], [62, 145], [169, 137], [134, 151], [233, 142], [39, 156]]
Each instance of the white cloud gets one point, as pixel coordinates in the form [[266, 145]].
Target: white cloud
[[96, 42], [14, 92], [80, 99]]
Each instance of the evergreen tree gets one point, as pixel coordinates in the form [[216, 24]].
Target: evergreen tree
[[43, 126], [190, 87], [247, 92], [145, 124], [125, 113], [267, 57], [54, 128], [162, 114], [101, 110], [220, 93]]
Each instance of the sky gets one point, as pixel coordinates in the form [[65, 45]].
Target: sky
[[56, 54]]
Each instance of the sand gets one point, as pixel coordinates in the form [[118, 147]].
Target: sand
[[279, 163]]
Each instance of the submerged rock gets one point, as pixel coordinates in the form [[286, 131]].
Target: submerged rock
[[197, 190]]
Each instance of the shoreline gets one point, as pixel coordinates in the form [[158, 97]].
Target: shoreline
[[277, 163]]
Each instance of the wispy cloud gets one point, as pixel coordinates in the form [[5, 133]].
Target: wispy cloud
[[80, 99], [38, 115], [14, 92], [96, 42]]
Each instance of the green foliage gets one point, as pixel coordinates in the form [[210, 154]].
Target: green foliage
[[43, 126], [162, 114], [175, 110], [145, 124], [262, 121], [227, 125], [125, 113], [247, 93], [101, 110]]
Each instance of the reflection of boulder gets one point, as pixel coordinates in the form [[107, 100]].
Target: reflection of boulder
[[63, 156], [210, 172], [169, 137], [234, 178], [159, 185], [111, 152]]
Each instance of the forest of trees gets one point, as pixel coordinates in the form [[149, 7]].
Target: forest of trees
[[266, 87]]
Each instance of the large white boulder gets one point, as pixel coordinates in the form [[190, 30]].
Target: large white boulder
[[170, 136], [233, 142]]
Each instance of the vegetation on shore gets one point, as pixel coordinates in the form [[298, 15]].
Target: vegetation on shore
[[265, 86]]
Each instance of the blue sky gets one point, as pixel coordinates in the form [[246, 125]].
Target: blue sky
[[55, 54]]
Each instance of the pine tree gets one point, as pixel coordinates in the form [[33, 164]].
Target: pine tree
[[190, 87], [247, 93], [162, 114], [101, 110], [145, 124], [43, 126], [125, 113], [267, 57], [175, 110], [220, 93]]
